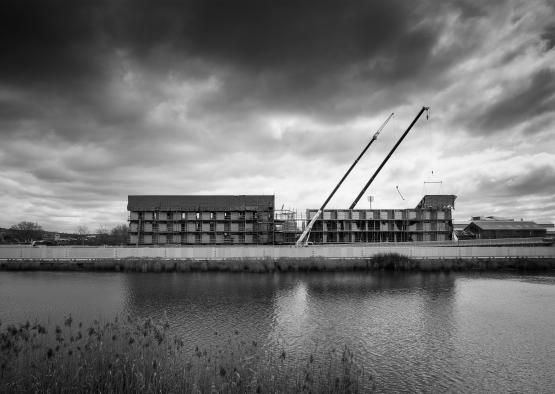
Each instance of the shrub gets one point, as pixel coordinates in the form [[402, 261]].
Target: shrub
[[393, 262]]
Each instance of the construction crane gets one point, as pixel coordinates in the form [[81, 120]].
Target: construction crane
[[306, 231], [387, 157]]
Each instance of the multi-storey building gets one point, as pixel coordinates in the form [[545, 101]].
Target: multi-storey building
[[429, 221], [218, 219]]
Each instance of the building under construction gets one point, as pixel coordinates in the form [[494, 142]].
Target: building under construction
[[251, 219], [195, 220], [429, 221], [201, 220]]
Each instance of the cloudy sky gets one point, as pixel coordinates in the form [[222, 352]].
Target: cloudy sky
[[113, 98]]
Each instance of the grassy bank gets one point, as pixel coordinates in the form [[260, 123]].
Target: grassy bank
[[128, 356], [386, 261]]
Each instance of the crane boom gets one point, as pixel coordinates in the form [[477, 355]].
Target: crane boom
[[319, 212], [387, 157]]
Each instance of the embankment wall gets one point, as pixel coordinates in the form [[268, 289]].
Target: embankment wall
[[275, 252], [277, 258]]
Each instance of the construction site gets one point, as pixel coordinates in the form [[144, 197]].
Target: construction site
[[253, 219], [156, 220], [205, 220], [246, 233]]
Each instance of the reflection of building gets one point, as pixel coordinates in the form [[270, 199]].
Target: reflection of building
[[219, 219], [429, 221], [493, 228]]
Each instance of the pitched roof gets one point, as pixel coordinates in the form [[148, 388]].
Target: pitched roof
[[498, 218], [506, 225], [200, 203]]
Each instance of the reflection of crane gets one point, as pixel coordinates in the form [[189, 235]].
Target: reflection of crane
[[397, 187], [319, 212], [387, 157]]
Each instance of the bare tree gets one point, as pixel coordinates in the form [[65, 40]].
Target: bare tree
[[28, 231], [82, 231], [102, 235]]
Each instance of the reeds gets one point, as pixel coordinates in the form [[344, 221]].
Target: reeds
[[132, 355]]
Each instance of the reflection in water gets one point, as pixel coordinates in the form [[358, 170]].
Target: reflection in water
[[290, 316], [205, 310], [414, 331], [51, 296], [388, 320]]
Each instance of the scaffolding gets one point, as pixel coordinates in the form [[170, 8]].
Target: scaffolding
[[286, 226], [380, 225], [221, 220]]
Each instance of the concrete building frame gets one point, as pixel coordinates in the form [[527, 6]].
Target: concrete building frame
[[201, 220]]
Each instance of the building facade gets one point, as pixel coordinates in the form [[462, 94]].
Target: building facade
[[492, 228], [201, 220], [431, 220]]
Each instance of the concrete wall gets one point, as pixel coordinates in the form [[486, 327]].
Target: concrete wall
[[259, 252]]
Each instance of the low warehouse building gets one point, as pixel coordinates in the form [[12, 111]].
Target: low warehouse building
[[495, 229]]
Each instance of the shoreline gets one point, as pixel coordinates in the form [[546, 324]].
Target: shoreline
[[385, 262]]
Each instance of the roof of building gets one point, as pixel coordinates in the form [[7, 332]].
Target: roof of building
[[506, 225], [200, 203], [437, 201], [492, 218]]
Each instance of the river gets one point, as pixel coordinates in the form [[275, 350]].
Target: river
[[426, 332]]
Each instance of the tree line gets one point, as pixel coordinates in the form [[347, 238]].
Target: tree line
[[26, 232]]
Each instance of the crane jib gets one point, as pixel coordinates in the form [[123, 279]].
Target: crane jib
[[387, 157], [309, 226]]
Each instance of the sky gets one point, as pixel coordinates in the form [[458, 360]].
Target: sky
[[101, 100]]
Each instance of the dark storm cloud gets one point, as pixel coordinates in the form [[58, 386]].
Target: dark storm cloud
[[331, 60], [286, 53], [46, 43], [305, 37], [535, 99], [324, 58], [64, 39]]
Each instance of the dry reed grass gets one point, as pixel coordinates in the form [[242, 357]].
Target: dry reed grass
[[131, 355]]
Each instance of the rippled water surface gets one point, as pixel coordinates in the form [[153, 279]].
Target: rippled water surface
[[414, 332]]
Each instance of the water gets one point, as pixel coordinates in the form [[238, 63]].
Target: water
[[424, 332]]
